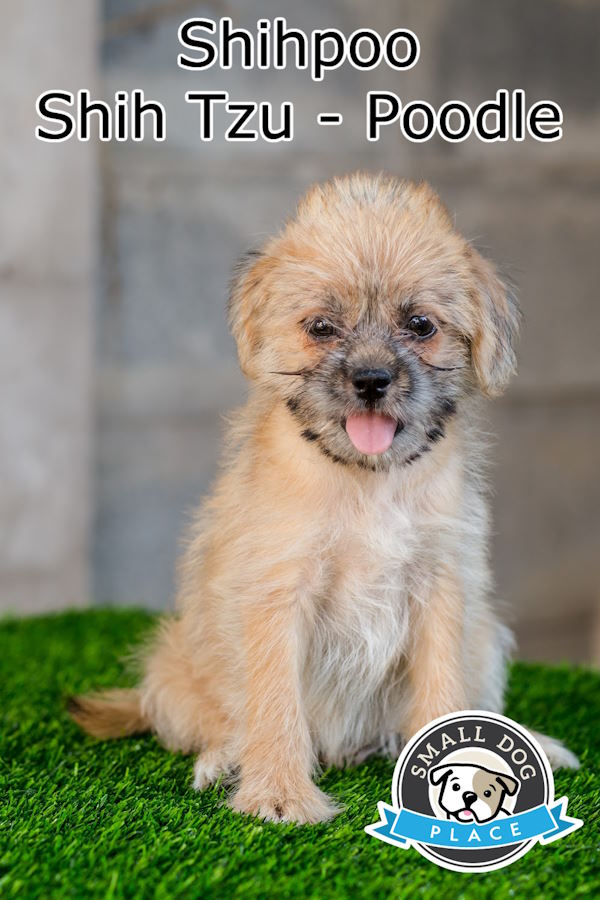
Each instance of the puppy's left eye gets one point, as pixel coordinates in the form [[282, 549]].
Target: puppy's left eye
[[456, 787], [487, 793], [421, 326], [321, 328]]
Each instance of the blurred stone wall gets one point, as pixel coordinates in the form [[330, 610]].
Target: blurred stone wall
[[47, 250], [175, 216]]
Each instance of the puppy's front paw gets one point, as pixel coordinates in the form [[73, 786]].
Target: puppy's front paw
[[210, 765], [560, 757], [308, 805]]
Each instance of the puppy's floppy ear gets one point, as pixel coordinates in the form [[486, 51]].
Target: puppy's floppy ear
[[510, 785], [243, 306], [497, 319], [440, 773]]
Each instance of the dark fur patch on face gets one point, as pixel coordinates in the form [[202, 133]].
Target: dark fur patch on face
[[369, 467], [309, 435], [435, 434], [448, 407], [332, 456], [417, 454], [292, 404]]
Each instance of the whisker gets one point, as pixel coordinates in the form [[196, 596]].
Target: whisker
[[301, 372], [442, 368]]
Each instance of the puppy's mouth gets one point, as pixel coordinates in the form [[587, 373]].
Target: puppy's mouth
[[371, 433], [465, 815]]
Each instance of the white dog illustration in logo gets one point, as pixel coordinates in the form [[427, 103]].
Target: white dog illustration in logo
[[472, 793]]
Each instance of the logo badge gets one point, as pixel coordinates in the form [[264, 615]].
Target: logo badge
[[472, 792]]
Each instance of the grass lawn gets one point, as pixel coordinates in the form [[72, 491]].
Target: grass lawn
[[84, 819]]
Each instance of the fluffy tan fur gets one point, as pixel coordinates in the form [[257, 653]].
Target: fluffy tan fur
[[329, 609]]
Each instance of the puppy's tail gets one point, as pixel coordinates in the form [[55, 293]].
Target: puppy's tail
[[110, 714]]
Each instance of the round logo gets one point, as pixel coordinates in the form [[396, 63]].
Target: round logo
[[472, 791]]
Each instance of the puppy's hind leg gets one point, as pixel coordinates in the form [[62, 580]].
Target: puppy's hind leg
[[211, 764], [175, 699], [179, 695], [560, 757]]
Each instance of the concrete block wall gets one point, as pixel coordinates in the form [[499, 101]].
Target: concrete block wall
[[47, 252]]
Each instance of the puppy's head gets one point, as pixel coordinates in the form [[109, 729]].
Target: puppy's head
[[472, 793], [373, 320]]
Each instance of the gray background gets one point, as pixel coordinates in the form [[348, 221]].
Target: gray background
[[115, 362]]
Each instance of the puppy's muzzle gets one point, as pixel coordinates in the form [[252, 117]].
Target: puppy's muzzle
[[371, 384]]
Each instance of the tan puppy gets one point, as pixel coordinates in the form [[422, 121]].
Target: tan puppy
[[335, 593]]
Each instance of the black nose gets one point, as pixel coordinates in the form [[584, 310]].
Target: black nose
[[469, 798], [371, 384]]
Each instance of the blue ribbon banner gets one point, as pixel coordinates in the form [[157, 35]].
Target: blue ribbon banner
[[403, 827]]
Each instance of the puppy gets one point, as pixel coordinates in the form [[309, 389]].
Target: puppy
[[335, 592], [472, 793]]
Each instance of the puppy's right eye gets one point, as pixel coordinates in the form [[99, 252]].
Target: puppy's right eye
[[321, 328], [456, 787]]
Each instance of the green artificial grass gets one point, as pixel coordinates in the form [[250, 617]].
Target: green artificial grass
[[79, 818]]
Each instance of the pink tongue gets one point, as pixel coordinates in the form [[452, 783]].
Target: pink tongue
[[371, 433]]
